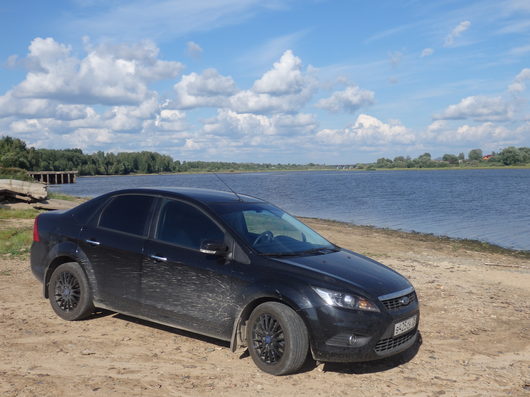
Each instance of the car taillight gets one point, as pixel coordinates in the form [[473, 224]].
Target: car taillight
[[36, 236]]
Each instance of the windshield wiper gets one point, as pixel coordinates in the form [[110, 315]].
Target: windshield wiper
[[280, 253], [320, 251]]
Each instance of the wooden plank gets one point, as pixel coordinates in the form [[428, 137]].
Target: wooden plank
[[12, 187]]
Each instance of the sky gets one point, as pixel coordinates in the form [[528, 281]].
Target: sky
[[277, 81]]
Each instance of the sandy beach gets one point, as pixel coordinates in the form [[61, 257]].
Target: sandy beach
[[475, 328]]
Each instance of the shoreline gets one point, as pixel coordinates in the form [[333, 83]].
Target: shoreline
[[457, 243]]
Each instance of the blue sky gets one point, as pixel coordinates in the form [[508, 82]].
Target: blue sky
[[267, 81]]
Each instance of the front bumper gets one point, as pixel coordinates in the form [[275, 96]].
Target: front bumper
[[342, 335]]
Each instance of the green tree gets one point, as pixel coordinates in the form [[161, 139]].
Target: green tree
[[475, 155], [511, 156], [450, 158]]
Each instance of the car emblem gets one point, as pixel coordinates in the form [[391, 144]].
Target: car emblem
[[404, 301]]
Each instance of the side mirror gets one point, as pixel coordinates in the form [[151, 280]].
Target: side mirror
[[214, 248]]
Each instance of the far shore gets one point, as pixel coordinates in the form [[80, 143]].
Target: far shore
[[511, 167]]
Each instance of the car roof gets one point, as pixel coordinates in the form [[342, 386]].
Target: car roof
[[206, 196]]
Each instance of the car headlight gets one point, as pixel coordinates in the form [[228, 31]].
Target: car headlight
[[347, 301]]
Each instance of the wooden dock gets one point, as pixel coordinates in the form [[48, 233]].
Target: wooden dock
[[54, 177]]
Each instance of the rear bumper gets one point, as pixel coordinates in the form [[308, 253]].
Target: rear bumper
[[341, 335], [38, 255]]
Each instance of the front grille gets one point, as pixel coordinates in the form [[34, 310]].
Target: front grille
[[396, 303], [391, 343]]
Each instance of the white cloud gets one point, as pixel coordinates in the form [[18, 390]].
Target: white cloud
[[519, 83], [251, 102], [170, 120], [257, 126], [479, 108], [492, 133], [109, 74], [193, 50], [368, 130], [283, 89], [426, 52], [348, 100], [456, 32], [285, 77], [206, 89], [13, 106]]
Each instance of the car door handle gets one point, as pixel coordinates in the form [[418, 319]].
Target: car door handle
[[93, 242], [158, 258]]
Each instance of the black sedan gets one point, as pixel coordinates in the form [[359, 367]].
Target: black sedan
[[225, 265]]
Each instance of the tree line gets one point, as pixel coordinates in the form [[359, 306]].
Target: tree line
[[14, 153], [509, 156]]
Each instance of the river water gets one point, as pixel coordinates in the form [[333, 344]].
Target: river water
[[486, 205]]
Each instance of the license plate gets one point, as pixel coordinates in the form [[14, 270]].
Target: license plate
[[405, 325]]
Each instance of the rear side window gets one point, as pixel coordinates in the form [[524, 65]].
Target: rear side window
[[127, 213], [84, 212], [184, 225]]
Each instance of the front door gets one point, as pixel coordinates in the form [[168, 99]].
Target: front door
[[181, 285]]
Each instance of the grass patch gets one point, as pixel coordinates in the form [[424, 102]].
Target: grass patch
[[60, 196], [15, 173], [9, 213], [15, 241]]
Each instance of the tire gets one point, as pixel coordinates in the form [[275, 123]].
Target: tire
[[277, 339], [69, 292]]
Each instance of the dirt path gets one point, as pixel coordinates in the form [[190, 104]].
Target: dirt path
[[475, 327]]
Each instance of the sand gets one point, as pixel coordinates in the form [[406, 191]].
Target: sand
[[475, 328]]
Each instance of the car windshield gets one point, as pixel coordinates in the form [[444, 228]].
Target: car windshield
[[271, 231]]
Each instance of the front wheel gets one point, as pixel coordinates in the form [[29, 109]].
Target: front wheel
[[277, 338], [69, 292]]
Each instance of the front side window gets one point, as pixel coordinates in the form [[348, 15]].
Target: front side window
[[270, 230], [128, 213], [182, 224]]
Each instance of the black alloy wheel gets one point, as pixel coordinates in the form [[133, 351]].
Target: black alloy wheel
[[277, 338], [69, 292], [268, 339]]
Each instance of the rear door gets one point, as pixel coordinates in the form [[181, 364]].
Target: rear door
[[114, 244], [181, 285]]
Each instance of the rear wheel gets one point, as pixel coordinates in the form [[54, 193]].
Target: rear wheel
[[277, 338], [69, 292]]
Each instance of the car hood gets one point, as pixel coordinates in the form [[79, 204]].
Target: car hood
[[364, 274]]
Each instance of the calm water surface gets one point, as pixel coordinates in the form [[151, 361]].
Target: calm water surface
[[487, 205]]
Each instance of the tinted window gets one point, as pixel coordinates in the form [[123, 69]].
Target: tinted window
[[84, 212], [184, 225], [127, 214]]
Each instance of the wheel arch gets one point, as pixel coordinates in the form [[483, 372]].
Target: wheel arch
[[64, 253], [293, 299]]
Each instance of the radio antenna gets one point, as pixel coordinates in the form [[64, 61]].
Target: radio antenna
[[226, 184]]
